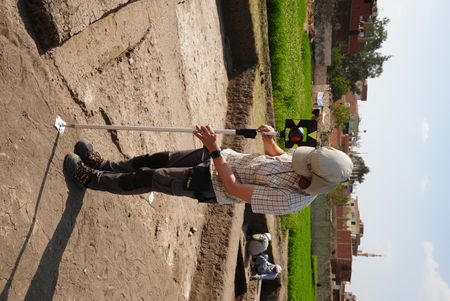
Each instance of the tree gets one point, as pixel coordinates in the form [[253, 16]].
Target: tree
[[375, 32], [367, 62], [360, 168], [363, 64], [361, 172], [339, 86]]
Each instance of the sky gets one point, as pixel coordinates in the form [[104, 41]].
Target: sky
[[404, 201]]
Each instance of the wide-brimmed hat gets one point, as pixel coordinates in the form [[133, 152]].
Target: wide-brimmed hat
[[326, 166]]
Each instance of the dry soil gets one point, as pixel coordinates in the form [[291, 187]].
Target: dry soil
[[155, 63]]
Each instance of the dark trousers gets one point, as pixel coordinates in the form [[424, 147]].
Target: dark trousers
[[180, 173]]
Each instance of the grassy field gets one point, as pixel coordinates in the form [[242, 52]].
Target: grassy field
[[290, 56], [301, 264]]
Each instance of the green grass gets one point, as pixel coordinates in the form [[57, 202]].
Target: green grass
[[290, 55], [301, 279]]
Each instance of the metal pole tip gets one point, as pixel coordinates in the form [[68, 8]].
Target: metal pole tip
[[60, 124]]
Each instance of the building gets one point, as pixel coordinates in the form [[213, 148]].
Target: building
[[355, 224], [351, 16], [349, 230], [342, 261]]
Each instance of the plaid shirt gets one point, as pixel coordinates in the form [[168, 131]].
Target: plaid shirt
[[276, 184]]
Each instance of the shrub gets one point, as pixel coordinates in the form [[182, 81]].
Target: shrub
[[341, 114], [339, 195], [338, 82], [335, 69], [339, 87]]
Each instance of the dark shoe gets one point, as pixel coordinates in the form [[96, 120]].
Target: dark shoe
[[77, 170], [85, 150]]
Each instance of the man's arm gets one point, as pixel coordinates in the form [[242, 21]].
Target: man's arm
[[229, 181], [232, 185], [269, 276], [271, 148]]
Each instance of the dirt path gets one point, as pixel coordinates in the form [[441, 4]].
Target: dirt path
[[156, 63]]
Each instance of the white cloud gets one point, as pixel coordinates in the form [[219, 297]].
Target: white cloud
[[425, 129], [434, 287], [424, 184]]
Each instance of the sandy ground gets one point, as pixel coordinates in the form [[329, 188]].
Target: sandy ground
[[155, 63]]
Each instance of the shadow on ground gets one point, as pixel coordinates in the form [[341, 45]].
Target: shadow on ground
[[43, 283]]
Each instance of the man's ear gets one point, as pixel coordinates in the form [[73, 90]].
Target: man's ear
[[304, 182]]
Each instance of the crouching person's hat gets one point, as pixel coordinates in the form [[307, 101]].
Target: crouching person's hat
[[326, 166]]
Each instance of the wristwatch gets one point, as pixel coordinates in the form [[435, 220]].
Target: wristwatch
[[215, 154]]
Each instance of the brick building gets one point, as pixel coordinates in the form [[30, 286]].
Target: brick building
[[342, 261], [350, 18], [348, 232]]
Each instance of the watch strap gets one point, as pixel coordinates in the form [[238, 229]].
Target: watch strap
[[215, 154]]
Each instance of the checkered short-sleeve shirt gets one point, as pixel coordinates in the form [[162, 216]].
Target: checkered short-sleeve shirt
[[276, 184]]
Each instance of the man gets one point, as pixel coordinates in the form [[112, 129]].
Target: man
[[274, 183], [263, 269]]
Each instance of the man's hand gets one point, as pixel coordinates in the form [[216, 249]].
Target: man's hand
[[207, 136], [270, 145], [263, 129]]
